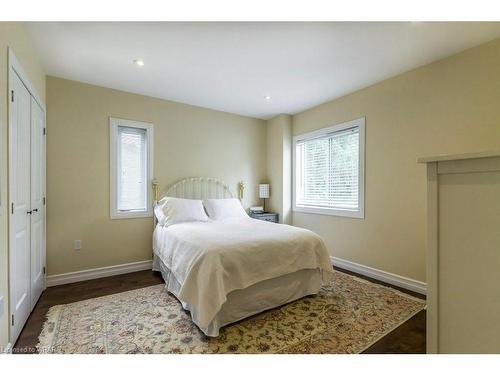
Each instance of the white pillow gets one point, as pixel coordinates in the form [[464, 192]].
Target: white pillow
[[171, 211], [224, 208], [160, 215]]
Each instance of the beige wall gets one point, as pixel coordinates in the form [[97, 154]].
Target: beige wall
[[189, 141], [450, 106], [279, 132], [12, 35]]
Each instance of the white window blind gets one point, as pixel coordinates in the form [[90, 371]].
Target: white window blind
[[131, 154], [327, 171], [132, 169]]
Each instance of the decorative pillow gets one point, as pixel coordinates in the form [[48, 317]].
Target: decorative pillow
[[218, 209], [170, 211]]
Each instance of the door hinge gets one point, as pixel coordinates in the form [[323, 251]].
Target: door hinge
[[44, 201], [44, 131], [11, 95], [12, 319], [12, 208], [44, 270]]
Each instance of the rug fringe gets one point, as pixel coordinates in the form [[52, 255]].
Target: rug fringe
[[46, 337]]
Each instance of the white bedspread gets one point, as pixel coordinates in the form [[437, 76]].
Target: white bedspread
[[213, 258]]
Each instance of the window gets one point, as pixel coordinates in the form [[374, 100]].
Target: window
[[131, 168], [329, 170]]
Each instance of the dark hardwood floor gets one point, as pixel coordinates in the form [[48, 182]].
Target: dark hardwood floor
[[407, 338]]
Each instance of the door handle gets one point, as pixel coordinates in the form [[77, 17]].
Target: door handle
[[29, 212], [35, 210]]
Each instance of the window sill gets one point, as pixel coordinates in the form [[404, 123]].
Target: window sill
[[131, 215], [330, 212]]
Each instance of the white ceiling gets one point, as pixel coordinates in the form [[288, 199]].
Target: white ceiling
[[232, 66]]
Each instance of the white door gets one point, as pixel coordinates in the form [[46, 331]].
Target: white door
[[19, 198], [37, 202]]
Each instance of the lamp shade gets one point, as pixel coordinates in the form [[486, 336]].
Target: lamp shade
[[263, 190]]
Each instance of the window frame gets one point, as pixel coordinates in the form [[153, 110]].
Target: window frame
[[114, 123], [360, 212]]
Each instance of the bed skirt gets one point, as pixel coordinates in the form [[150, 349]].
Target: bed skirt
[[243, 303]]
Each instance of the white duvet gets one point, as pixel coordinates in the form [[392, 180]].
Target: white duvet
[[211, 259]]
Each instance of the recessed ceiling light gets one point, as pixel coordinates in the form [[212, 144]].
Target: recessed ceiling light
[[139, 62], [268, 98]]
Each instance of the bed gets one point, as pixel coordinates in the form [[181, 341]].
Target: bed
[[228, 269]]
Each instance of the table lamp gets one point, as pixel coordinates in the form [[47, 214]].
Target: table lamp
[[264, 193]]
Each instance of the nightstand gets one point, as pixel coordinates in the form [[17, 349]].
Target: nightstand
[[273, 217]]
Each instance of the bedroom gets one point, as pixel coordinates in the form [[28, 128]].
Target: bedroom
[[249, 187]]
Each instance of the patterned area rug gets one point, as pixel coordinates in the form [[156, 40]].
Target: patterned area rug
[[347, 316]]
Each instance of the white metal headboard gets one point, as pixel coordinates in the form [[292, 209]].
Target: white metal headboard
[[199, 188]]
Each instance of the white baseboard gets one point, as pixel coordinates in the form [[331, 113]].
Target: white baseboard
[[390, 278], [96, 273]]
